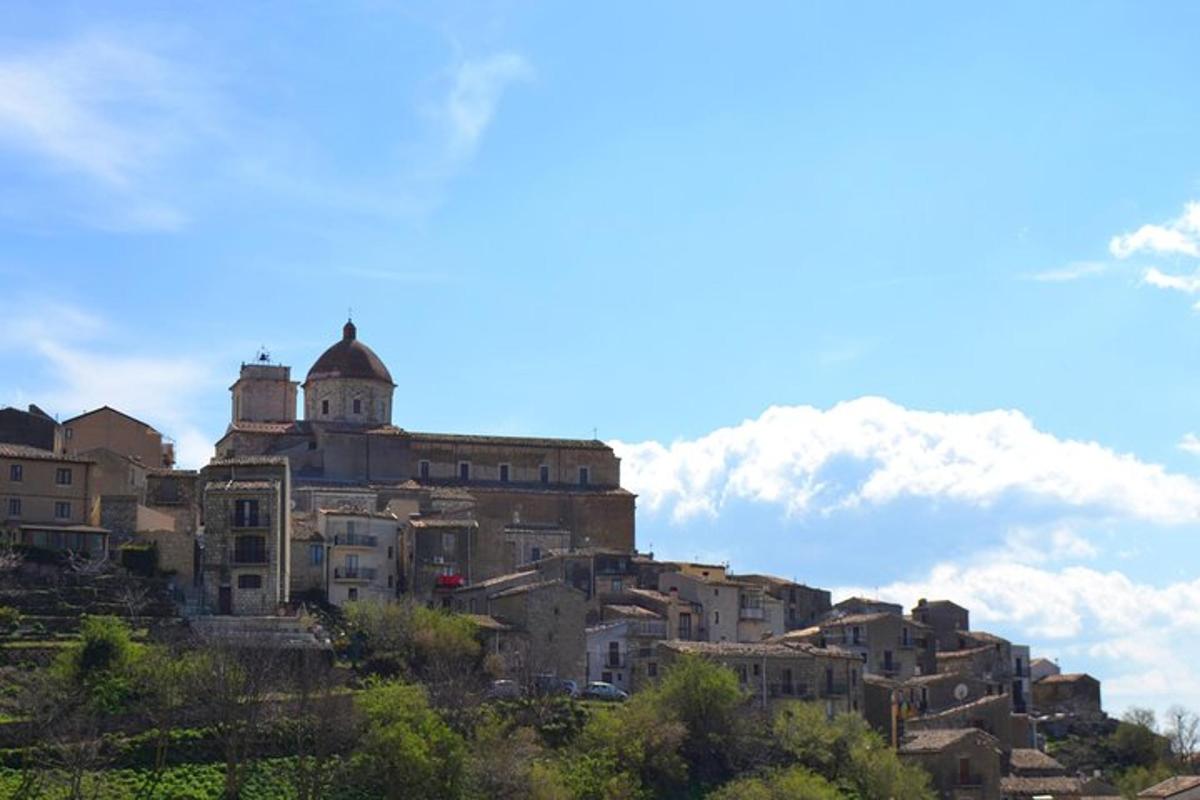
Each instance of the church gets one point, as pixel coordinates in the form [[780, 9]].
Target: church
[[348, 505]]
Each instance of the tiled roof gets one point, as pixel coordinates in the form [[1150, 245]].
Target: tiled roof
[[1069, 677], [264, 427], [239, 486], [649, 594], [984, 636], [499, 579], [443, 523], [1026, 758], [621, 610], [1171, 786], [27, 453], [249, 461], [1021, 787], [488, 623], [859, 619], [730, 649], [950, 655], [113, 410], [33, 526], [506, 441], [349, 358], [956, 710], [831, 651], [934, 741], [527, 588]]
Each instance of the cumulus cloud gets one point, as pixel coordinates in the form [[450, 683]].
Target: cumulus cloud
[[870, 452], [1180, 236]]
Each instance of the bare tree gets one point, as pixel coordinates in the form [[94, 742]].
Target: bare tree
[[1183, 731], [323, 725], [135, 597], [234, 682], [84, 566], [1143, 717]]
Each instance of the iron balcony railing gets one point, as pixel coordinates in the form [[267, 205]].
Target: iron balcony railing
[[356, 540], [251, 520], [355, 573]]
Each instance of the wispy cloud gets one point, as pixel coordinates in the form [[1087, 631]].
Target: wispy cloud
[[1071, 272], [85, 363], [476, 88], [109, 111], [1190, 443]]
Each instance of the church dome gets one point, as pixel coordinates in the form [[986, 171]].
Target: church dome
[[350, 358]]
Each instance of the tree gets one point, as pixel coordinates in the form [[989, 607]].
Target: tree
[[319, 725], [502, 759], [407, 750], [101, 663], [1135, 715], [795, 783], [1183, 732]]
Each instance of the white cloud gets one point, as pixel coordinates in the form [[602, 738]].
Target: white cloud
[[1071, 272], [1190, 443], [871, 451], [109, 110], [477, 86], [1180, 236]]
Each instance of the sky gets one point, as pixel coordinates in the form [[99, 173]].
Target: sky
[[902, 300]]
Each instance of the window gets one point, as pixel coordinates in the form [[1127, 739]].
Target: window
[[316, 554], [62, 476], [685, 626], [584, 475], [904, 636], [249, 581], [391, 581], [544, 473], [535, 554], [504, 473], [423, 470], [14, 507], [389, 551], [716, 618], [250, 550], [357, 406], [62, 510], [464, 470], [352, 594], [70, 433], [614, 654], [652, 669], [325, 408], [854, 635], [245, 513], [616, 585], [964, 771], [16, 473], [448, 543], [757, 670], [787, 680]]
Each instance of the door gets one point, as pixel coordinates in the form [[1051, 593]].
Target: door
[[225, 600]]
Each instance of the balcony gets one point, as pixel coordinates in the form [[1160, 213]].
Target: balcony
[[648, 628], [751, 612], [354, 573], [448, 581], [614, 662], [356, 540], [251, 521]]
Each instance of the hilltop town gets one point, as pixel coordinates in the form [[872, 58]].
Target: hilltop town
[[532, 540]]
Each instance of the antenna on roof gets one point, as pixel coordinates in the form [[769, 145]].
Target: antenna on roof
[[350, 313]]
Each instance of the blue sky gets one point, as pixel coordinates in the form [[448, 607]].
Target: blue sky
[[887, 298]]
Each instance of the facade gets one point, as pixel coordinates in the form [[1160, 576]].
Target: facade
[[435, 556], [1076, 694], [46, 501], [991, 714], [106, 427], [1042, 667], [32, 428], [775, 673], [731, 611], [245, 544], [550, 616], [1022, 686], [864, 605], [945, 619], [361, 555], [527, 496], [964, 764], [803, 606], [889, 644]]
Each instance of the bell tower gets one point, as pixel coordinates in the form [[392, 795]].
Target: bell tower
[[264, 392]]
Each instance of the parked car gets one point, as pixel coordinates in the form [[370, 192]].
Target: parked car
[[599, 690], [552, 684], [503, 690]]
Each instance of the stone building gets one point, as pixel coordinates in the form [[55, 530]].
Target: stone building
[[550, 615], [945, 619], [1075, 694], [527, 496], [888, 644], [46, 501], [731, 610], [992, 714], [435, 556], [621, 647], [963, 764], [775, 673], [245, 544], [1181, 787], [803, 606]]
